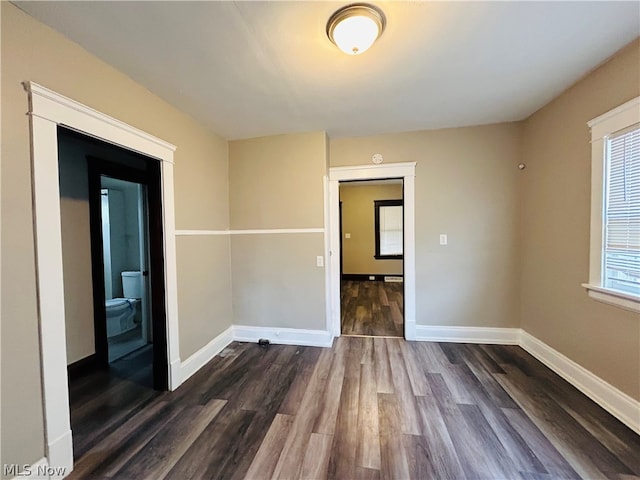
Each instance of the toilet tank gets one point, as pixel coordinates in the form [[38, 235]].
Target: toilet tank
[[132, 284]]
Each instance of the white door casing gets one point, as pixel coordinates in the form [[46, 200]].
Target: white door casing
[[47, 110], [406, 171]]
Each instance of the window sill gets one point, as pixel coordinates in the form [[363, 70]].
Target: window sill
[[612, 297]]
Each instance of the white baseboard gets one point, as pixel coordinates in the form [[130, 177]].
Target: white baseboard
[[284, 336], [175, 374], [242, 333], [502, 336], [60, 456], [617, 403], [199, 359]]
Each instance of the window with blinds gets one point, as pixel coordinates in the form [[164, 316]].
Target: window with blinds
[[388, 229], [621, 235]]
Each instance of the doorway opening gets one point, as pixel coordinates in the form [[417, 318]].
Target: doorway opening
[[115, 319], [123, 218], [112, 251], [372, 265], [404, 172], [49, 110], [127, 266]]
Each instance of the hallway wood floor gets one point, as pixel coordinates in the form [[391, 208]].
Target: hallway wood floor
[[373, 308], [103, 400], [371, 408]]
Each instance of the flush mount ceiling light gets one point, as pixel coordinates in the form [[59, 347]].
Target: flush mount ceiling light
[[355, 27]]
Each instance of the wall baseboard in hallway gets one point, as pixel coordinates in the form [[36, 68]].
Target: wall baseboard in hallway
[[83, 366], [379, 277], [284, 336]]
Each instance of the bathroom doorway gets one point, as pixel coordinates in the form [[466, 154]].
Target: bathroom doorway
[[114, 287], [125, 260], [127, 268]]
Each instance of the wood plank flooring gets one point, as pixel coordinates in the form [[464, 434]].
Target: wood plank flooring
[[372, 308], [368, 408], [102, 401]]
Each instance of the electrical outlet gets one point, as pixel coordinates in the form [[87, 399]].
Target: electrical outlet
[[319, 261], [347, 235], [443, 239]]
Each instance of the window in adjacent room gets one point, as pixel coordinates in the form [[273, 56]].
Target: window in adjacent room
[[614, 275], [388, 229]]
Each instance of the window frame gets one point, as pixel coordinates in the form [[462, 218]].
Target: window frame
[[386, 203], [602, 127]]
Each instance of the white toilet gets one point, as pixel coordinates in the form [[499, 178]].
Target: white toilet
[[121, 311]]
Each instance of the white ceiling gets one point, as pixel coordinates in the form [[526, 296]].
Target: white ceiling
[[247, 69]]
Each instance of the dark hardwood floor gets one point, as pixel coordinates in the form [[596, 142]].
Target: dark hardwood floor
[[102, 401], [372, 308], [372, 408]]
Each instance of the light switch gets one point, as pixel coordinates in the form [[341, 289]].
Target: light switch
[[443, 239], [319, 261], [347, 235]]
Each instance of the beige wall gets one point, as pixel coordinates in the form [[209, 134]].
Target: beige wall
[[204, 288], [555, 229], [32, 51], [358, 220], [76, 254], [276, 282], [467, 184], [277, 183]]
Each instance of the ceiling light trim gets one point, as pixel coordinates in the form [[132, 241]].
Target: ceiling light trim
[[365, 10]]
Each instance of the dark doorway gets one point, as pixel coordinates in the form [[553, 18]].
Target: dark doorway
[[102, 167], [371, 258], [102, 173]]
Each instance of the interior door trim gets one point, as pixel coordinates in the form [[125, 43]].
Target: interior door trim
[[47, 110], [406, 171]]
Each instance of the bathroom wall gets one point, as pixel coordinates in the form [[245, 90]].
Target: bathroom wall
[[124, 230], [117, 239], [358, 220]]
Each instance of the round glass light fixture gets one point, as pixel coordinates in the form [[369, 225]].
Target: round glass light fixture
[[355, 27]]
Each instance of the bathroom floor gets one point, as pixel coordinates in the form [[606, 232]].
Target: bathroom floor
[[127, 342]]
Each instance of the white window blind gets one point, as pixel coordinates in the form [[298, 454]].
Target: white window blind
[[391, 230], [621, 252]]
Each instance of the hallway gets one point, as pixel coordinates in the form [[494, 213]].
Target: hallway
[[373, 308]]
